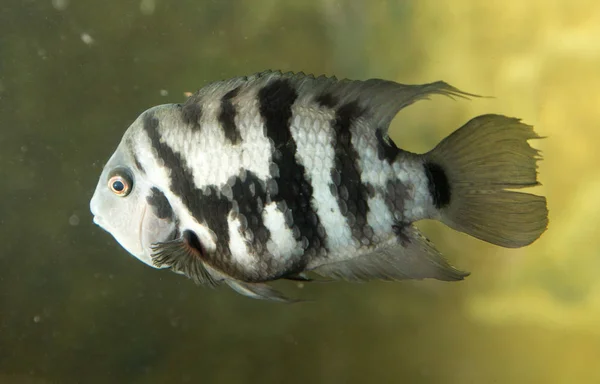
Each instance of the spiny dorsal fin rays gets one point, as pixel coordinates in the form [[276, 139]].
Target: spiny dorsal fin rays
[[413, 257], [217, 87], [382, 99]]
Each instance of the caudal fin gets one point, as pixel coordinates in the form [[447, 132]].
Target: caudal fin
[[470, 173]]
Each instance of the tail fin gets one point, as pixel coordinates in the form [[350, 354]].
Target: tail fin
[[469, 172]]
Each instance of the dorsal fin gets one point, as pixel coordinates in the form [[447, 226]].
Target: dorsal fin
[[381, 99]]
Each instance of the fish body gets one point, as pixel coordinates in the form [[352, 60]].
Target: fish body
[[272, 175]]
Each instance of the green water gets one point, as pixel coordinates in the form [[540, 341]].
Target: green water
[[76, 308]]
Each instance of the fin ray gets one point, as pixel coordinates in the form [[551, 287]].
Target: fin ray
[[413, 257], [481, 162], [381, 99], [182, 256], [259, 291]]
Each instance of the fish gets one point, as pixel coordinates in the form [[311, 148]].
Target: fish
[[286, 175]]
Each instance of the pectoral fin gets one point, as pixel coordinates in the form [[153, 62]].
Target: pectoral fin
[[184, 256]]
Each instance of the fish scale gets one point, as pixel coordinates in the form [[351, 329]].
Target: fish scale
[[352, 202], [269, 176]]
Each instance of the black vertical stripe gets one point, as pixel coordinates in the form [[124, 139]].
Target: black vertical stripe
[[294, 191], [438, 184], [227, 117], [249, 193], [395, 195], [160, 205], [386, 149], [204, 205], [326, 100], [137, 163], [191, 112], [208, 205], [351, 193]]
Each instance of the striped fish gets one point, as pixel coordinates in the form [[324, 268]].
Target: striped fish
[[273, 175]]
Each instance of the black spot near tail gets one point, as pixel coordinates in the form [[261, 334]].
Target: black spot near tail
[[438, 184], [227, 117]]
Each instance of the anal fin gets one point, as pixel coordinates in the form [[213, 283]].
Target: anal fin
[[412, 257], [259, 291]]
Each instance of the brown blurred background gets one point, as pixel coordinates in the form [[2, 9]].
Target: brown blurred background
[[75, 308]]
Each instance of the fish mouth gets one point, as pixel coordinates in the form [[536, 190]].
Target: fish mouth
[[97, 220]]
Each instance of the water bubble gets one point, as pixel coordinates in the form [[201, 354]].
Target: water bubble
[[74, 220], [164, 92], [37, 318], [87, 39], [60, 5], [42, 53], [147, 7]]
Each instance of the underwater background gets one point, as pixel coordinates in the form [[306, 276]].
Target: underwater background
[[76, 308]]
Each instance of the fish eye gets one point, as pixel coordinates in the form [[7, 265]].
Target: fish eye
[[120, 184]]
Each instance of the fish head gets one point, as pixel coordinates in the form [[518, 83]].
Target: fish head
[[127, 205]]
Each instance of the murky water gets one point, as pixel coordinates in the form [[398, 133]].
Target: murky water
[[75, 308]]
